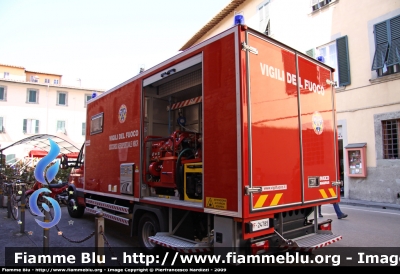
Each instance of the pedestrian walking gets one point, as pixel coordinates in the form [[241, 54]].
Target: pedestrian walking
[[339, 213], [320, 211]]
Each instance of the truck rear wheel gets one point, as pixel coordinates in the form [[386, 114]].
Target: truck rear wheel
[[148, 226]]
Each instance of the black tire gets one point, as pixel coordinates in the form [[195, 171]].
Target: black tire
[[148, 226], [75, 210], [14, 206]]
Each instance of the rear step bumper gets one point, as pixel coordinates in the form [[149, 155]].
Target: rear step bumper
[[312, 241], [305, 243], [179, 244]]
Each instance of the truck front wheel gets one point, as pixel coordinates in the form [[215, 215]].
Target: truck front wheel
[[148, 226]]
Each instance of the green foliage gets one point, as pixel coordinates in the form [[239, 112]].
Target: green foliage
[[26, 173], [63, 174]]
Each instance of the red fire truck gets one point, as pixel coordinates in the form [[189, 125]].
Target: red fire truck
[[231, 143]]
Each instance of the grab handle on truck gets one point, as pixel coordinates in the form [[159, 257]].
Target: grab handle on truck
[[248, 190], [337, 183]]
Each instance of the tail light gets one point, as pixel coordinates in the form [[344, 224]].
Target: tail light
[[259, 247], [325, 226]]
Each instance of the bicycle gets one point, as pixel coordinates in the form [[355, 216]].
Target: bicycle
[[15, 189]]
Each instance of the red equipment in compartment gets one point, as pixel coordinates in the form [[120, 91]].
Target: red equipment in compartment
[[166, 155]]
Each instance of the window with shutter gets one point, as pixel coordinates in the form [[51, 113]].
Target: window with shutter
[[264, 16], [387, 47], [32, 96], [268, 29], [62, 98], [1, 125], [381, 45], [87, 98], [3, 93], [311, 52], [37, 127], [328, 53], [30, 126], [394, 49], [61, 126], [318, 4], [336, 55], [343, 61]]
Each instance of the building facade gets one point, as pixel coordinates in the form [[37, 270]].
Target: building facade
[[361, 40], [37, 103]]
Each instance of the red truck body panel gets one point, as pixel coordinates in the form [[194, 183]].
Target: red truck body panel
[[116, 144]]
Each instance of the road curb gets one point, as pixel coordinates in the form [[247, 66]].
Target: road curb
[[370, 204]]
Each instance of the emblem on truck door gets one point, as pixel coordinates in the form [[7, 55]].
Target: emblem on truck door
[[317, 123], [122, 114]]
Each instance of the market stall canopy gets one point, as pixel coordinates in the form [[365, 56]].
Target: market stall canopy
[[41, 142]]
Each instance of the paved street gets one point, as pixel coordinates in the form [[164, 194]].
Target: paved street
[[365, 226]]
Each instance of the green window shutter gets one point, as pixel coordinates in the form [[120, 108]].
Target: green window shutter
[[394, 48], [24, 126], [343, 61], [2, 94], [311, 52], [37, 127], [1, 124], [381, 45]]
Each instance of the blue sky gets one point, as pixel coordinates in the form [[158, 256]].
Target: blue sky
[[102, 42]]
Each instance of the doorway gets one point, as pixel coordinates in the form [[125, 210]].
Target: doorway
[[341, 166]]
